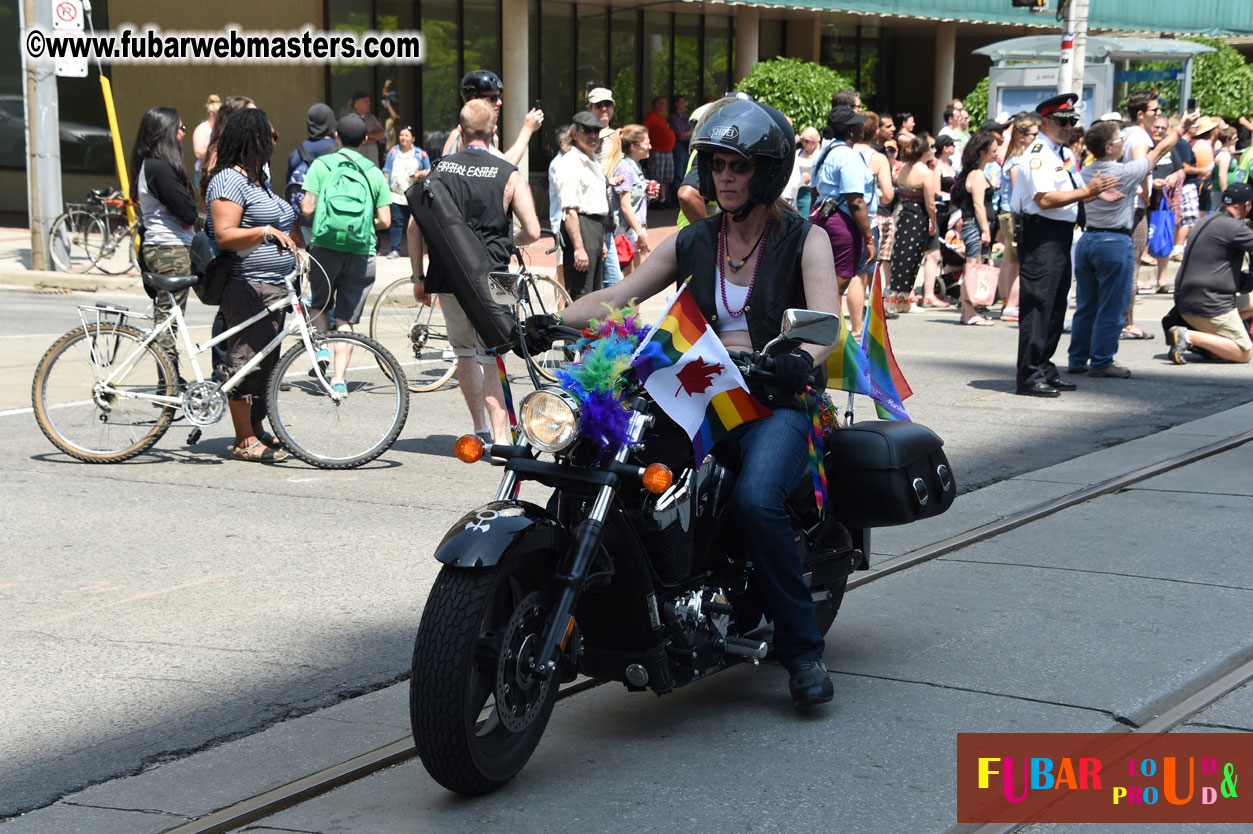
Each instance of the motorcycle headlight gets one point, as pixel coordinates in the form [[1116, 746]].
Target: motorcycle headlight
[[550, 419]]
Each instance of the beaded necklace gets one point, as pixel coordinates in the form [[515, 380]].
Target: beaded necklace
[[724, 258]]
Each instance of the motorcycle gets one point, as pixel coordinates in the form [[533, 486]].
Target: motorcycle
[[629, 572]]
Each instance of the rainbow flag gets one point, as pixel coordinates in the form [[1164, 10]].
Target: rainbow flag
[[888, 387], [846, 366], [687, 370]]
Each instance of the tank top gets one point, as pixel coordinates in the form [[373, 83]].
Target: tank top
[[476, 181], [737, 297]]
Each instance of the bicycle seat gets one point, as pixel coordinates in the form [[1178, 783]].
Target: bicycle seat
[[170, 283], [102, 193]]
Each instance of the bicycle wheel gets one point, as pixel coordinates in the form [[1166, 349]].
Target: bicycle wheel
[[89, 421], [415, 334], [339, 433], [74, 241], [545, 295], [118, 254]]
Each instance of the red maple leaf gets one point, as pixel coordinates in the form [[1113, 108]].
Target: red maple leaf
[[697, 376]]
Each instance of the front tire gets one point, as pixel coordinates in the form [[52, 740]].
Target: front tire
[[344, 432], [477, 715]]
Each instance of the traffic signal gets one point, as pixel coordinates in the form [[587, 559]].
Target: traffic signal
[[1029, 4]]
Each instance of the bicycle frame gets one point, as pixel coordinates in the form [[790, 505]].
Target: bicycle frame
[[296, 325]]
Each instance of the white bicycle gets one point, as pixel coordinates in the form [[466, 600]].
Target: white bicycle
[[106, 391]]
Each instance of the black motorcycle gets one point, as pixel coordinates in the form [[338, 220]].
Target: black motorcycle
[[629, 572]]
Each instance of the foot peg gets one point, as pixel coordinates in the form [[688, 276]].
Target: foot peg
[[754, 649]]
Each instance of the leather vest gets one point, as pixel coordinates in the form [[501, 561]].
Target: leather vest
[[779, 286]]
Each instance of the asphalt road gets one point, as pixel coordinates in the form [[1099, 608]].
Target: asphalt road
[[157, 606]]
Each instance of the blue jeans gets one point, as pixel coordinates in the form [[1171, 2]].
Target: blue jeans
[[1104, 264], [775, 455], [611, 272], [400, 222]]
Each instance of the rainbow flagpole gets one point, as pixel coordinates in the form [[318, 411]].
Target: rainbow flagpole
[[816, 466], [504, 384]]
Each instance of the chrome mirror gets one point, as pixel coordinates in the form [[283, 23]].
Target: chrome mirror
[[504, 287], [810, 327]]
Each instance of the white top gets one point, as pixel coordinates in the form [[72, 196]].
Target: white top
[[1135, 137], [404, 166], [581, 184], [1043, 169], [737, 297]]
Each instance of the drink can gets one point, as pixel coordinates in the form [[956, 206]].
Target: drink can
[[654, 189]]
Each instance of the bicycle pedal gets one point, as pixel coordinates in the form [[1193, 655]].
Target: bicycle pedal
[[194, 437]]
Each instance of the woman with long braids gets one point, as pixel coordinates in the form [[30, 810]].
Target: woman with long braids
[[247, 217], [167, 202]]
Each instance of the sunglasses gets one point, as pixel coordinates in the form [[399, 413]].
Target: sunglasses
[[493, 98], [1068, 121], [183, 128], [602, 104], [737, 166]]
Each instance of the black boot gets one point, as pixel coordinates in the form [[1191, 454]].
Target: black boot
[[810, 683]]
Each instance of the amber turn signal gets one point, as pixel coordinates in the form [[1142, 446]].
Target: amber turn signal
[[657, 478], [469, 448]]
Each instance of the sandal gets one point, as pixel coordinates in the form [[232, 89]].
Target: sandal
[[978, 321], [1165, 291], [934, 302], [259, 453], [1135, 335]]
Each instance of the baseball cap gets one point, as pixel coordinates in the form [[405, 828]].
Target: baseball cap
[[586, 119], [600, 94], [842, 115], [991, 126], [1238, 192], [351, 130]]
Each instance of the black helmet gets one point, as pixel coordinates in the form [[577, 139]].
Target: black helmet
[[480, 83], [751, 129]]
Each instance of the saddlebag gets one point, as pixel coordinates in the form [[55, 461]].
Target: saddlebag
[[884, 473]]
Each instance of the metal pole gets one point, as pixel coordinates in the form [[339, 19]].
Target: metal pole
[[43, 145], [1065, 69], [1080, 29]]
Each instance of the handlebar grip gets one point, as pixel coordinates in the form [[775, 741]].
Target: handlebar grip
[[562, 330]]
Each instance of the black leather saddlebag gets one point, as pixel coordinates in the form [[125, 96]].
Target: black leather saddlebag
[[885, 473]]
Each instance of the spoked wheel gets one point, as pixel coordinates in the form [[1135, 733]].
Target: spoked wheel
[[117, 253], [829, 607], [94, 421], [415, 334], [546, 296], [338, 431], [477, 712], [75, 241]]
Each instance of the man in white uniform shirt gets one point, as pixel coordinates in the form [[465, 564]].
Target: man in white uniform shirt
[[1049, 195], [582, 190]]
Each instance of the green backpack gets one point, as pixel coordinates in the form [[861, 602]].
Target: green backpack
[[344, 217]]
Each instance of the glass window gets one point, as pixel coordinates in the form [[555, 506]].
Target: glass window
[[717, 56], [556, 85], [346, 78], [623, 63], [687, 64], [657, 66], [441, 74], [398, 87], [593, 66], [771, 42], [853, 51], [481, 19]]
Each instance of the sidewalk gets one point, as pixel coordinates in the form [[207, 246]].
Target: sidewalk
[[15, 262], [1082, 621]]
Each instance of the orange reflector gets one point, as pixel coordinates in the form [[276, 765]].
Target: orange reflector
[[469, 448], [565, 639], [657, 478]]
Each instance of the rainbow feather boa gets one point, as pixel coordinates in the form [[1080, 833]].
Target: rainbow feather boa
[[597, 381]]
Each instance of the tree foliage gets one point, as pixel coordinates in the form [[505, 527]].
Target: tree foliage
[[800, 89], [976, 103]]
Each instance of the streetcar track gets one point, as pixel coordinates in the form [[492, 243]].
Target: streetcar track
[[1175, 709]]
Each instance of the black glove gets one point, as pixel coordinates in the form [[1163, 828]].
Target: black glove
[[791, 371], [536, 333]]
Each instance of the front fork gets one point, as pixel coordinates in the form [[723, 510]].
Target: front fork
[[574, 567]]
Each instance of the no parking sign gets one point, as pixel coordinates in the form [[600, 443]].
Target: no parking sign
[[67, 16]]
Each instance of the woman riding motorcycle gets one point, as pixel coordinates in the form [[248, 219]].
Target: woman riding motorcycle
[[746, 266]]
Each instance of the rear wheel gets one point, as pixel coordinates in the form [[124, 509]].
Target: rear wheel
[[75, 240], [92, 421], [118, 253], [477, 713], [546, 296], [338, 431], [415, 334]]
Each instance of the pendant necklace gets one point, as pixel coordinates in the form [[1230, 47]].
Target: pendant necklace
[[723, 258]]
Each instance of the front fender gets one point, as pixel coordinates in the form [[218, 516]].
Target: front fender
[[487, 535]]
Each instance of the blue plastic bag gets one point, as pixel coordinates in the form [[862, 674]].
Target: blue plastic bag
[[1161, 230]]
